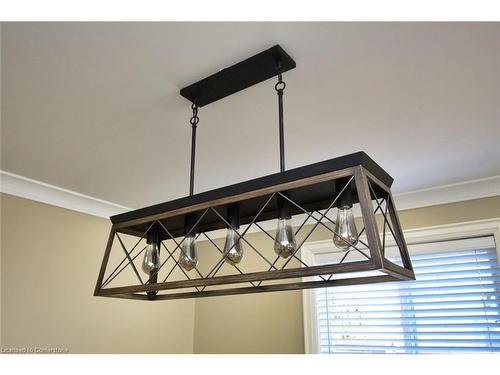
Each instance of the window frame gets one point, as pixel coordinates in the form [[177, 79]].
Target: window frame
[[455, 231]]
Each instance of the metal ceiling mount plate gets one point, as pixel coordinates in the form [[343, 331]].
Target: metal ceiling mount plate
[[240, 76]]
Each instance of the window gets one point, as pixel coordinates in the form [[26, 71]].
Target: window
[[452, 306]]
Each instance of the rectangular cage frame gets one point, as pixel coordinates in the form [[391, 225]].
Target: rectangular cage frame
[[368, 181]]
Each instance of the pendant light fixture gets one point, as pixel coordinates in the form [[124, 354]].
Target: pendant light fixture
[[310, 193]]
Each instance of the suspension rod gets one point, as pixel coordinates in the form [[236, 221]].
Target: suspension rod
[[193, 156], [282, 131], [194, 123], [279, 87]]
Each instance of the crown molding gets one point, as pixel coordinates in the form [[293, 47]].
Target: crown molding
[[458, 192], [24, 187], [39, 191]]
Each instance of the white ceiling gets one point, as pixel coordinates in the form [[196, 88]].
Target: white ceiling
[[94, 108]]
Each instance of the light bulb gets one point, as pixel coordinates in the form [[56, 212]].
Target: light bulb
[[284, 242], [151, 261], [346, 234], [189, 255], [233, 251]]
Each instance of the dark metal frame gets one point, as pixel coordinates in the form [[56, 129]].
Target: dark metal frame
[[367, 188]]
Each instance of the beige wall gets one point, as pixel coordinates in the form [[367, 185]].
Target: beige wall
[[50, 259], [477, 209], [252, 323]]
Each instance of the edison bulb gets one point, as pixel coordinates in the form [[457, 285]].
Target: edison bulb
[[233, 250], [284, 242], [346, 234], [151, 261], [189, 254]]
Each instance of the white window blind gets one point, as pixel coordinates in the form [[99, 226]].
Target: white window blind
[[452, 306]]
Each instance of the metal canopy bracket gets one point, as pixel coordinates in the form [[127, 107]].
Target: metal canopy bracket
[[240, 76]]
